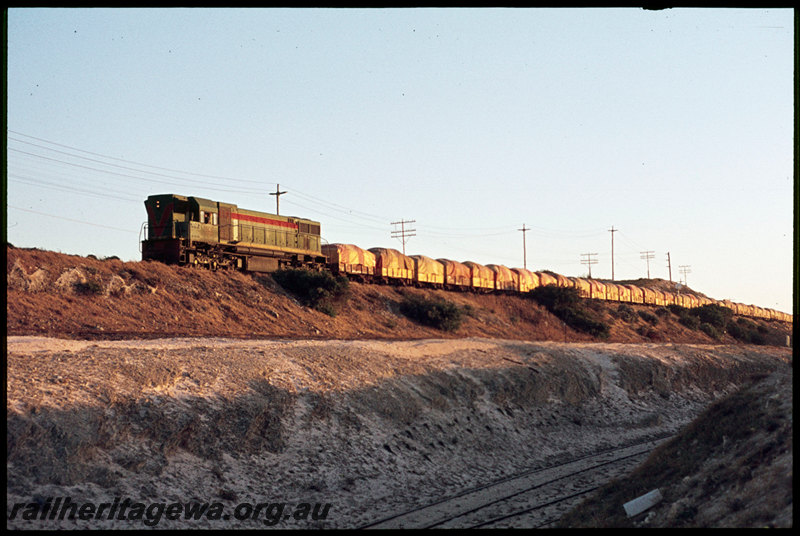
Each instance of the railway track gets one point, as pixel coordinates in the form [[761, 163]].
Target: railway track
[[531, 499]]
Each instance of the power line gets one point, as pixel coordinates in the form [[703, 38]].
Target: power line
[[120, 159], [70, 219]]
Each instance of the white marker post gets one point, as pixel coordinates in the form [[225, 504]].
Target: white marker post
[[640, 504]]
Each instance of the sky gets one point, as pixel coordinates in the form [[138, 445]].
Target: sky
[[672, 126]]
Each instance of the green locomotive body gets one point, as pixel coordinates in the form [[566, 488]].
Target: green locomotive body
[[195, 231]]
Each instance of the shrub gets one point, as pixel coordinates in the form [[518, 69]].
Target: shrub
[[318, 290], [738, 332], [88, 287], [713, 314], [691, 322], [554, 297], [436, 313], [710, 330], [626, 313], [757, 338], [565, 303], [675, 309], [648, 317], [662, 311]]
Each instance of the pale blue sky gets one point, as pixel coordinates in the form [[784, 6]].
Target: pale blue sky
[[673, 126]]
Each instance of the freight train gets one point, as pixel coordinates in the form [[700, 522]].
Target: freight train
[[192, 231]]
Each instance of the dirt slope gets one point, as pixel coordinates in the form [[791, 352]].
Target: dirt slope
[[69, 296]]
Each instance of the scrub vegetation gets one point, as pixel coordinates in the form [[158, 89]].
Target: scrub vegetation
[[567, 305], [318, 290]]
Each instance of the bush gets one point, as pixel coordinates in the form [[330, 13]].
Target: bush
[[88, 287], [691, 322], [710, 330], [739, 332], [566, 304], [649, 317], [318, 290], [677, 310], [662, 311], [626, 313], [554, 297], [716, 315], [437, 313]]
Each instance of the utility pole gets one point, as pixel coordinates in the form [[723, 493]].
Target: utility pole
[[403, 232], [669, 267], [612, 231], [647, 255], [589, 260], [524, 253], [277, 193], [685, 269]]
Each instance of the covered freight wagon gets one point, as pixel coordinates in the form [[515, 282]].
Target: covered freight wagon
[[481, 276], [456, 275], [393, 266], [428, 271], [527, 280], [598, 289], [504, 278], [546, 278], [583, 286], [561, 280], [349, 259]]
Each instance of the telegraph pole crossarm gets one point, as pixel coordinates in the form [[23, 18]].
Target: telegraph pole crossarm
[[403, 234], [277, 193], [685, 269], [588, 260], [647, 255]]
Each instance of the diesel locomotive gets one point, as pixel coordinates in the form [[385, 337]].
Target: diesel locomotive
[[199, 232]]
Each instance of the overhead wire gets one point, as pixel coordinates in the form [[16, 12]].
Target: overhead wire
[[72, 219], [359, 218]]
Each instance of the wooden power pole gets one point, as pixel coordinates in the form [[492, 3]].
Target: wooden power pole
[[402, 233], [589, 260], [524, 253], [277, 193], [647, 255], [612, 231]]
